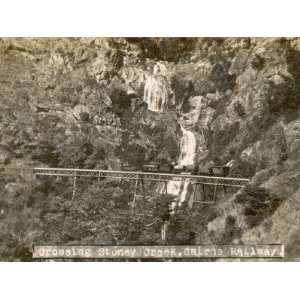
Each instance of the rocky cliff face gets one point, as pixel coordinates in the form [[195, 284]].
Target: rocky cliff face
[[98, 103]]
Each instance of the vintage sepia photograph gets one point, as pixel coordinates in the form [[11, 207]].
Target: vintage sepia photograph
[[149, 149]]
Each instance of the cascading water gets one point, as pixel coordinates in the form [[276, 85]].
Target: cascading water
[[186, 158], [156, 95], [156, 92], [187, 148]]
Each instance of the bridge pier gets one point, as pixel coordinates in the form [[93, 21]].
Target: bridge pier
[[215, 192], [165, 187], [138, 181], [164, 229], [74, 186], [203, 195]]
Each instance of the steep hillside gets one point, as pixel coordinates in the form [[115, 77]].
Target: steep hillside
[[105, 102]]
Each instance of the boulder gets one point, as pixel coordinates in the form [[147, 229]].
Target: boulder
[[5, 155], [13, 188]]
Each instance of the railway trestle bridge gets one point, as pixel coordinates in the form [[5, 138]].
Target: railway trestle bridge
[[140, 177]]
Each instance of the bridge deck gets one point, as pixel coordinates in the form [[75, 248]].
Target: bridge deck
[[137, 175]]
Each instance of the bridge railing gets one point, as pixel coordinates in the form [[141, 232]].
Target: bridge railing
[[136, 175]]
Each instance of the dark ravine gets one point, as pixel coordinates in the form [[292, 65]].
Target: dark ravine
[[101, 102]]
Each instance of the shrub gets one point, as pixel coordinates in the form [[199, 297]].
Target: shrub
[[258, 204]]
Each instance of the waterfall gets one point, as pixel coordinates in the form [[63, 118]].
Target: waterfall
[[156, 95], [187, 148], [186, 158], [156, 91]]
